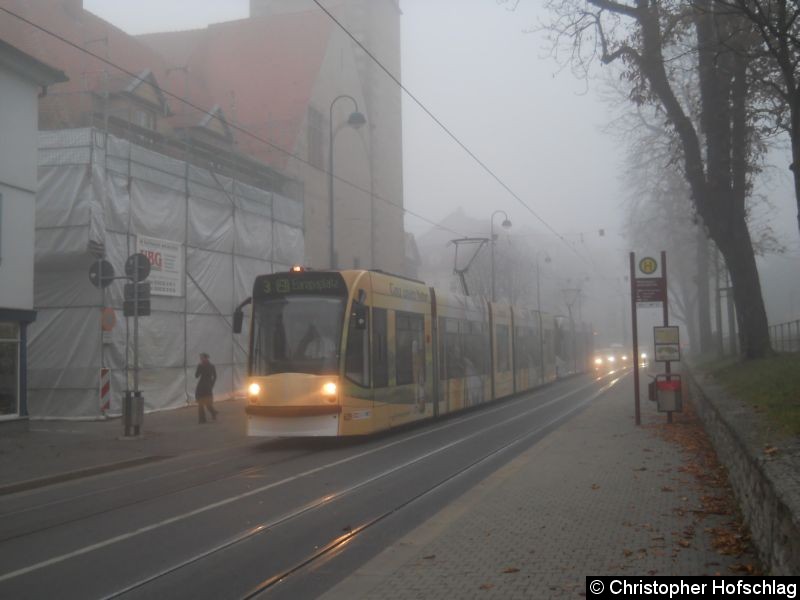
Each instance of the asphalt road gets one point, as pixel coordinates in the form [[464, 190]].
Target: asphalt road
[[282, 518]]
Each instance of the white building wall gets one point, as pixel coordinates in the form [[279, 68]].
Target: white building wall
[[18, 139]]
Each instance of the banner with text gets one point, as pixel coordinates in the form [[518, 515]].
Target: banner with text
[[166, 261]]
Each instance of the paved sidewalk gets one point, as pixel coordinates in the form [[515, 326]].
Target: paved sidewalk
[[52, 451], [597, 496]]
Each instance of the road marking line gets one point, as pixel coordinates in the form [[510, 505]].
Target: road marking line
[[231, 499]]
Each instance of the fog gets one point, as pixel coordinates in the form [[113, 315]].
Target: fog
[[487, 74]]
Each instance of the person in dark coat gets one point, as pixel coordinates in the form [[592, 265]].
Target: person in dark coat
[[206, 376]]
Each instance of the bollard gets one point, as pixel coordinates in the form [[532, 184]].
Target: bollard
[[132, 413]]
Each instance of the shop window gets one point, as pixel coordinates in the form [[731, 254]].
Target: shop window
[[9, 369]]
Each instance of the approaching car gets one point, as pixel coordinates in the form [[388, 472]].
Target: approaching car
[[607, 359]]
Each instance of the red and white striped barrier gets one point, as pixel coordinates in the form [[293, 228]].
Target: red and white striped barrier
[[105, 389]]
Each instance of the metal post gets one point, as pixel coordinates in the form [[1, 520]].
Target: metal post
[[718, 305], [136, 394], [332, 249], [539, 311], [506, 224], [635, 335], [353, 122], [665, 305], [491, 253]]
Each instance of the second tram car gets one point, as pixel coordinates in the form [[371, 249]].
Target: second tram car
[[340, 353]]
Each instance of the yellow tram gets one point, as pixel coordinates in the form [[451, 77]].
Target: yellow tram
[[338, 353]]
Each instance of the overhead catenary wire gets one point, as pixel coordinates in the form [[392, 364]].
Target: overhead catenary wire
[[452, 135], [233, 126]]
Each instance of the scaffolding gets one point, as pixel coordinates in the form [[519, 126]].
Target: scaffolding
[[105, 196]]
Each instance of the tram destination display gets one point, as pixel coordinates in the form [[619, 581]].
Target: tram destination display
[[286, 284]]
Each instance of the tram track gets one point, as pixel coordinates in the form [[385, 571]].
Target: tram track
[[246, 471], [332, 545], [304, 517]]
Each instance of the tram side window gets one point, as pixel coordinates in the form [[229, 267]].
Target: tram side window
[[453, 350], [519, 348], [380, 348], [501, 335], [410, 350], [356, 362], [442, 348], [474, 349]]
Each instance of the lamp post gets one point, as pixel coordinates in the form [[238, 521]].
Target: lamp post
[[539, 312], [355, 120], [506, 224]]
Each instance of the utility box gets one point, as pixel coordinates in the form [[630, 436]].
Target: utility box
[[669, 392]]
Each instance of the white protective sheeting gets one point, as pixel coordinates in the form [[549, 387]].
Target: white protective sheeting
[[101, 192]]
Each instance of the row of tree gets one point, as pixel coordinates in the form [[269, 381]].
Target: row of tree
[[712, 82]]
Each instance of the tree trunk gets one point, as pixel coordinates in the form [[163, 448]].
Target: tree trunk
[[703, 297], [794, 101], [752, 317]]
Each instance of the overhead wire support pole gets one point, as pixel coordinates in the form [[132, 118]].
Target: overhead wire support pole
[[452, 136], [462, 272]]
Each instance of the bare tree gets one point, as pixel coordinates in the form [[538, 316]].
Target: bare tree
[[644, 35], [777, 23]]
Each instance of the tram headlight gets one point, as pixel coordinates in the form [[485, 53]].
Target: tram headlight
[[254, 389], [611, 359], [329, 391]]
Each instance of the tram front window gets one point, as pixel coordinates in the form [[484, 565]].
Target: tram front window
[[297, 334]]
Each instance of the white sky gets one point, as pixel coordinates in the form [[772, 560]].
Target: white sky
[[473, 66]]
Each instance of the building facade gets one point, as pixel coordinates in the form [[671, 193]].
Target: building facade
[[22, 80]]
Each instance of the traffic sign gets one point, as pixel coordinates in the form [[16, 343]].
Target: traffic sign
[[108, 319], [137, 267], [101, 274], [137, 299], [648, 265], [650, 289], [142, 291]]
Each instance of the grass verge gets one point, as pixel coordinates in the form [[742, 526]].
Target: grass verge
[[770, 385]]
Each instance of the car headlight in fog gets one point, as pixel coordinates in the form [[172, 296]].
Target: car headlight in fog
[[254, 389], [624, 357], [611, 359]]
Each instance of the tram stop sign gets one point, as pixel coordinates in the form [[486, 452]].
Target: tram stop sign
[[137, 267], [101, 274]]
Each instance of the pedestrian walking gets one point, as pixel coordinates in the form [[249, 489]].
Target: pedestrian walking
[[206, 376]]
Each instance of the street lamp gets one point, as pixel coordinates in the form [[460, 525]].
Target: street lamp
[[355, 120], [539, 312], [506, 224]]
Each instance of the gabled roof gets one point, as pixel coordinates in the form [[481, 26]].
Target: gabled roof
[[83, 29], [142, 87], [266, 66], [27, 66]]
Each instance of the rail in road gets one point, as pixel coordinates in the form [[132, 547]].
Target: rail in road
[[285, 518]]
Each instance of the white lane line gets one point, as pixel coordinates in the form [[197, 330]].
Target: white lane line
[[231, 499], [346, 491]]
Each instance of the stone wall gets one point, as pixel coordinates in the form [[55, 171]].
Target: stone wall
[[767, 485]]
